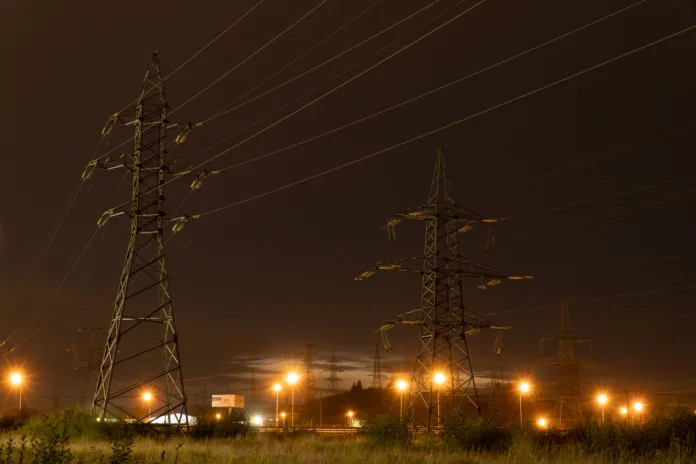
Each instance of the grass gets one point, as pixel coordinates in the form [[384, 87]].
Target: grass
[[314, 449]]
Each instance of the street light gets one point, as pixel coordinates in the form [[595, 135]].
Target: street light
[[257, 421], [282, 416], [350, 418], [292, 379], [17, 379], [541, 422], [276, 388], [623, 411], [439, 379], [602, 400], [147, 397], [524, 388], [401, 385], [638, 408], [218, 416]]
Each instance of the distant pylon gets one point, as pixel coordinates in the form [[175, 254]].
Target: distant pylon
[[142, 320], [567, 386], [443, 319], [252, 387], [333, 367], [309, 384], [377, 376]]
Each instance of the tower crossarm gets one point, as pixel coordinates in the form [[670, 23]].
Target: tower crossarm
[[457, 267]]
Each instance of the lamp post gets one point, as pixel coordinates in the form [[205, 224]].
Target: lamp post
[[439, 379], [350, 418], [541, 423], [638, 408], [283, 415], [401, 386], [524, 388], [602, 400], [147, 397], [292, 379], [276, 388], [17, 379]]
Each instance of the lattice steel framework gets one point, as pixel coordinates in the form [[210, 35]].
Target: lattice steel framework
[[443, 319], [309, 392], [333, 367], [377, 377], [142, 347], [567, 384]]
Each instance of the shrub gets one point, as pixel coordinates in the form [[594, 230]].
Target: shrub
[[476, 434], [233, 425], [388, 431], [51, 446]]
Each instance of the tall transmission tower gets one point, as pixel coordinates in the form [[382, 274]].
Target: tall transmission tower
[[443, 319], [142, 338], [309, 382], [567, 384], [377, 377], [333, 367]]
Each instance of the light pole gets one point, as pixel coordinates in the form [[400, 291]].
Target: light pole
[[276, 388], [638, 408], [350, 418], [283, 415], [401, 385], [541, 423], [17, 379], [292, 379], [524, 388], [147, 397], [439, 379], [602, 400], [623, 411]]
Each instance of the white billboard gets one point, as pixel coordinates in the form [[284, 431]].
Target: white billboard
[[228, 401]]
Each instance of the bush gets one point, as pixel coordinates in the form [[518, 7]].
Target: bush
[[477, 434], [233, 425], [388, 431]]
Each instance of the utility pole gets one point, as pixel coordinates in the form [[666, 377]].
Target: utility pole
[[443, 320], [377, 376], [333, 368], [567, 384], [142, 321], [309, 382]]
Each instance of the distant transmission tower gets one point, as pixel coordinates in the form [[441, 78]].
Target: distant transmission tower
[[309, 383], [333, 367], [443, 320], [377, 376], [142, 339], [567, 385]]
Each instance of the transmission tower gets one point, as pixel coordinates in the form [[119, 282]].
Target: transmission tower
[[333, 367], [443, 320], [567, 384], [309, 383], [142, 337], [377, 376], [92, 364]]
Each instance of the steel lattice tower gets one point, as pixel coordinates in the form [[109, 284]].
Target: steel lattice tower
[[568, 365], [377, 376], [309, 383], [142, 338], [333, 367], [443, 319]]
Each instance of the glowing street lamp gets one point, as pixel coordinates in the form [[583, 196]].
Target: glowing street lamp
[[218, 416], [17, 379], [439, 379], [350, 418], [276, 388], [147, 397], [638, 408], [524, 389], [257, 421], [623, 411], [401, 386], [541, 423], [292, 379], [602, 400]]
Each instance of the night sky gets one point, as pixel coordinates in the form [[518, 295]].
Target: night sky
[[594, 175]]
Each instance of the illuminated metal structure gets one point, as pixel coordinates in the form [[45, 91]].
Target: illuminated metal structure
[[309, 391], [377, 377], [567, 384], [142, 338], [333, 367], [443, 319]]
